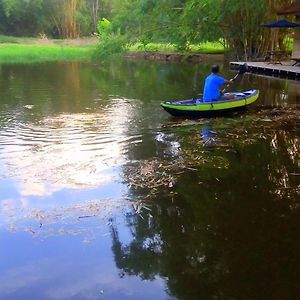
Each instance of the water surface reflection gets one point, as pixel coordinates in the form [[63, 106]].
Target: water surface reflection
[[103, 195]]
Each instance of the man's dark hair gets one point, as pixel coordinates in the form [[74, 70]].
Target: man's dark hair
[[215, 69]]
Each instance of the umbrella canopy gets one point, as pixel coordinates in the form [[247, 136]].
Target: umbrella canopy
[[281, 24]]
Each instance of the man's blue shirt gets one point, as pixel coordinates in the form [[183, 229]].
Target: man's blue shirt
[[212, 87]]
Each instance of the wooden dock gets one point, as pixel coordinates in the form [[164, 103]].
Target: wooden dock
[[284, 70]]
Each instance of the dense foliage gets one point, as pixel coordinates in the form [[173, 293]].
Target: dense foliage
[[53, 18], [234, 23]]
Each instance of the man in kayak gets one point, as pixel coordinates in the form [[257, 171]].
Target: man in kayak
[[213, 84]]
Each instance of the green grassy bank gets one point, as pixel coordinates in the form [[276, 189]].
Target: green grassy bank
[[33, 50], [204, 48], [15, 53]]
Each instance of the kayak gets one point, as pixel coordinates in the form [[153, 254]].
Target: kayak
[[198, 108]]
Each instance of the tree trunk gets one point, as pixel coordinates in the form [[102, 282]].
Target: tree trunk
[[95, 12]]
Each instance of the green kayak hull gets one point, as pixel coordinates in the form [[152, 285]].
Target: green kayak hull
[[198, 108]]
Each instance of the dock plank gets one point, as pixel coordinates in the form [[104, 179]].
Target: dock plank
[[284, 70]]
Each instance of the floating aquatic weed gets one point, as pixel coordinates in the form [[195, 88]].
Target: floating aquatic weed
[[140, 206], [196, 150], [186, 122], [289, 194], [69, 220], [194, 159], [278, 116], [152, 174]]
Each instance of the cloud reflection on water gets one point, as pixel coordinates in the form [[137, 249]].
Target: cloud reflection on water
[[67, 151]]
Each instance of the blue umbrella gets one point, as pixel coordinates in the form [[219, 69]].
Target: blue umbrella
[[281, 24]]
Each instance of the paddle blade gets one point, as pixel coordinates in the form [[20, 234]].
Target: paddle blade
[[243, 69]]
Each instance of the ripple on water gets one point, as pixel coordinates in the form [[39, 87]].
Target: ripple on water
[[65, 151]]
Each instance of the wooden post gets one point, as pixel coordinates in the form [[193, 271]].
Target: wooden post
[[296, 46]]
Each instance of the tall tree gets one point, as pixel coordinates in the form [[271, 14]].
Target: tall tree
[[64, 17], [94, 6]]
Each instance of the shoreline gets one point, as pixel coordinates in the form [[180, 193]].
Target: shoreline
[[30, 50], [176, 57]]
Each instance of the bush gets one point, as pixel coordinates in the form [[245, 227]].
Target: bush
[[4, 39], [110, 44]]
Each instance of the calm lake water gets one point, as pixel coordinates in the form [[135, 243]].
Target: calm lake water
[[103, 195]]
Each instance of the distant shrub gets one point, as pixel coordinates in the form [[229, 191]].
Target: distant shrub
[[111, 44], [104, 28], [4, 39]]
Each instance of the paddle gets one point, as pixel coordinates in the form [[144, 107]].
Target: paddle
[[242, 70], [195, 83]]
